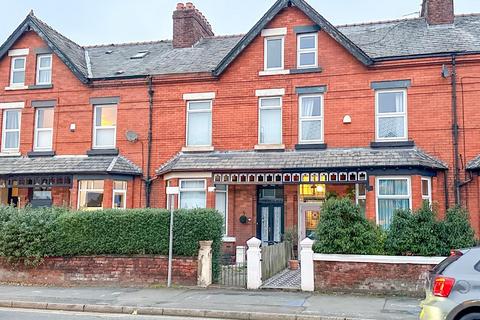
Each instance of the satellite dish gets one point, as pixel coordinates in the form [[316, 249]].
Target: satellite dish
[[131, 136]]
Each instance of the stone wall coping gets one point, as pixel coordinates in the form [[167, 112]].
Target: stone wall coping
[[377, 259]]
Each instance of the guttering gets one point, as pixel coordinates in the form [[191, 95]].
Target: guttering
[[427, 55]]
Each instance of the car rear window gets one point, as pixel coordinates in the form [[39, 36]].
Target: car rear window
[[439, 268]]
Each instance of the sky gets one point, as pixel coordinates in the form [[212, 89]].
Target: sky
[[90, 22]]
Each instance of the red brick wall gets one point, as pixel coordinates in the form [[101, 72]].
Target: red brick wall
[[372, 278], [135, 271]]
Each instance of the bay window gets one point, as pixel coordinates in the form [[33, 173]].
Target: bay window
[[391, 115], [392, 193], [307, 50], [105, 126], [193, 194], [270, 122], [90, 194], [44, 69], [43, 129], [17, 77], [274, 53], [221, 204], [11, 130], [119, 194], [311, 119], [199, 123]]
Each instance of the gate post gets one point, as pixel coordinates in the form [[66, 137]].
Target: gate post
[[254, 264], [306, 263], [205, 264]]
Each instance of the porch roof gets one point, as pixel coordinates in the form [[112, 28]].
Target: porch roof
[[295, 160], [16, 166], [474, 165]]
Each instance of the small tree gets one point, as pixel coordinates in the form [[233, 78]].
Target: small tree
[[343, 229], [457, 230]]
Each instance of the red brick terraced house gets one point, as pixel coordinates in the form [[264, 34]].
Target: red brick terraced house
[[263, 126]]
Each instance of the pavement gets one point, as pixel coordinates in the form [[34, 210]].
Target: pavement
[[210, 303]]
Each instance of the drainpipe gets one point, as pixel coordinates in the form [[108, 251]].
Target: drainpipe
[[456, 156], [148, 179]]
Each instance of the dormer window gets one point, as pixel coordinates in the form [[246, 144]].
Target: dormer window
[[44, 69], [17, 78], [307, 50]]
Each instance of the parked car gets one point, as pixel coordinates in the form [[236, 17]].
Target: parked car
[[453, 288]]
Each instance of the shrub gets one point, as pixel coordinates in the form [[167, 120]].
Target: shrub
[[342, 229], [37, 233], [457, 230]]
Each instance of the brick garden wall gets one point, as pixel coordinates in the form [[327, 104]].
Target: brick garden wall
[[132, 271], [372, 278]]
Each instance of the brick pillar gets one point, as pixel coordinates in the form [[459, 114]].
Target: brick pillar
[[416, 192], [370, 206], [210, 194], [130, 194], [74, 194], [107, 193]]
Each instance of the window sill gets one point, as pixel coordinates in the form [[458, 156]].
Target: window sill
[[33, 154], [392, 144], [311, 146], [16, 88], [10, 154], [229, 239], [198, 149], [40, 86], [273, 72], [270, 147], [306, 70], [103, 152]]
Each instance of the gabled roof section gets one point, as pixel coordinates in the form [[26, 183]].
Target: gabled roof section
[[68, 51], [307, 10]]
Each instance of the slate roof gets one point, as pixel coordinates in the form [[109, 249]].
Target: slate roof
[[293, 160], [368, 42], [68, 165], [474, 164]]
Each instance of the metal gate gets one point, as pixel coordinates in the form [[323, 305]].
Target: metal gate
[[233, 269]]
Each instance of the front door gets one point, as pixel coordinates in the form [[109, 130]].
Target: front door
[[270, 214], [309, 217], [271, 223]]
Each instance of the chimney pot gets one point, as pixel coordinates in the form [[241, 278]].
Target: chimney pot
[[190, 5], [180, 6], [438, 12]]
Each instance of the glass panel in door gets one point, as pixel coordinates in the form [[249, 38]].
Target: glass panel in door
[[277, 224], [265, 225]]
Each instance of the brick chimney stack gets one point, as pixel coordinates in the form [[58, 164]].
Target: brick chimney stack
[[438, 12], [189, 26]]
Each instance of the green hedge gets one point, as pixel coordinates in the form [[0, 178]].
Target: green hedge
[[343, 230], [37, 233]]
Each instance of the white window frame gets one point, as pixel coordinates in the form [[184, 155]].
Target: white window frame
[[260, 108], [95, 127], [37, 130], [204, 189], [12, 70], [40, 56], [226, 207], [210, 109], [120, 191], [300, 51], [5, 130], [91, 190], [429, 196], [358, 196], [392, 197], [302, 119], [379, 115], [265, 53]]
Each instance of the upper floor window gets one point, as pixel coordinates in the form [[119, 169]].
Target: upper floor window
[[391, 115], [43, 129], [270, 122], [392, 193], [274, 53], [199, 123], [11, 130], [307, 50], [44, 69], [105, 126], [311, 119], [17, 77], [193, 194]]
